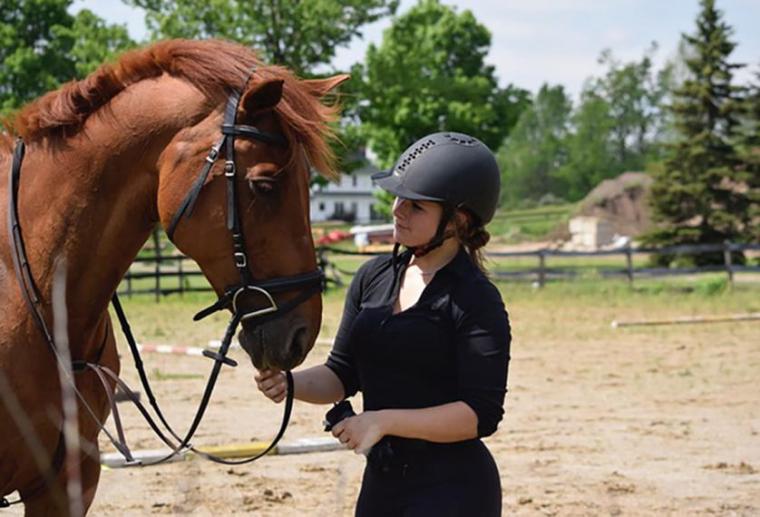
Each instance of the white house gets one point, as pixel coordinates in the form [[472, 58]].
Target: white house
[[351, 199]]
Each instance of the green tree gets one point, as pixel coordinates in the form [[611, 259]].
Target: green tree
[[750, 155], [42, 46], [588, 147], [633, 95], [429, 74], [700, 196], [300, 34], [94, 41], [534, 153]]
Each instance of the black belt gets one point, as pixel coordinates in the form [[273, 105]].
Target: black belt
[[399, 456]]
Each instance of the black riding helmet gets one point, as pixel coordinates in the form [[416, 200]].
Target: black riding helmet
[[451, 168], [454, 169]]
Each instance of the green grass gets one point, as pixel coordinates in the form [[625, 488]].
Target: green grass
[[530, 224], [170, 320]]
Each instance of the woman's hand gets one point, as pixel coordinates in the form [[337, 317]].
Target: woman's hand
[[272, 383], [360, 432]]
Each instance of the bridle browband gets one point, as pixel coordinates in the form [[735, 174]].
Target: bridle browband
[[311, 283]]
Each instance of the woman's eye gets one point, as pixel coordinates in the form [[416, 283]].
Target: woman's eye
[[416, 206], [261, 187]]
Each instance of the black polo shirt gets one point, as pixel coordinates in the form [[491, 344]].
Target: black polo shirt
[[452, 345]]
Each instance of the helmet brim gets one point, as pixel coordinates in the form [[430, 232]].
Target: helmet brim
[[394, 184]]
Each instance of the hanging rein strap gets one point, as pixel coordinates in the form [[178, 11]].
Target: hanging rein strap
[[29, 288], [31, 294]]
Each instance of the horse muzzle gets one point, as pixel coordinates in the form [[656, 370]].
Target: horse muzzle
[[281, 343]]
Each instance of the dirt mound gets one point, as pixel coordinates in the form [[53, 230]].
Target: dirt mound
[[622, 201]]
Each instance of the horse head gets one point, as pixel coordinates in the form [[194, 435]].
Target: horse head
[[267, 274]]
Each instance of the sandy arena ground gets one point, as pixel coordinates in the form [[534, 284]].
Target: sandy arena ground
[[651, 421]]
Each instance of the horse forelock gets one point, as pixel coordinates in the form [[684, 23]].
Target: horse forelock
[[214, 67]]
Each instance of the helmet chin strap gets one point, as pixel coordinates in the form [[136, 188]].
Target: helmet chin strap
[[441, 233]]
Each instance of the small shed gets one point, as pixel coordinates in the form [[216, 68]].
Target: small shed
[[588, 232]]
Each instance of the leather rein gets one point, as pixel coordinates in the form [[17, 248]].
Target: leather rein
[[310, 284]]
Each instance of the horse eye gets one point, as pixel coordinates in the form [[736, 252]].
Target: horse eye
[[261, 187]]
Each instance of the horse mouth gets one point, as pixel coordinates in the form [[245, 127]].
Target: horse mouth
[[275, 345]]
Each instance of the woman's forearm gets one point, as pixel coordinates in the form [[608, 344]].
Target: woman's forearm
[[317, 385], [451, 422]]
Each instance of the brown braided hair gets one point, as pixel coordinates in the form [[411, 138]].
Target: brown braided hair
[[473, 236]]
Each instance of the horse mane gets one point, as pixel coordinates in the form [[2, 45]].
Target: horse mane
[[215, 67]]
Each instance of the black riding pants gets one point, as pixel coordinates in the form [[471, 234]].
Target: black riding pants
[[450, 480]]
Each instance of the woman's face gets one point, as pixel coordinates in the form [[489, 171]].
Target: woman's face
[[415, 222]]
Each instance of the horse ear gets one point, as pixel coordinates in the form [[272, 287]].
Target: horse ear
[[262, 95], [321, 87]]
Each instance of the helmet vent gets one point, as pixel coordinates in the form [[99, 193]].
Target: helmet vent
[[414, 154], [461, 140]]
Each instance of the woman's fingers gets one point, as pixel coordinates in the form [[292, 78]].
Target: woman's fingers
[[272, 384], [275, 391]]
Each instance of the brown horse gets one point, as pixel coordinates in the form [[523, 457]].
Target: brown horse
[[107, 158]]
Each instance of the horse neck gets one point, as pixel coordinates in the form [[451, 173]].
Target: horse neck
[[91, 200]]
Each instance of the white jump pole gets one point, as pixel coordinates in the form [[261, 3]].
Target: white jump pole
[[688, 320]]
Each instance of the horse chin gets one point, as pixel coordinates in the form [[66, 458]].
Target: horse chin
[[277, 344]]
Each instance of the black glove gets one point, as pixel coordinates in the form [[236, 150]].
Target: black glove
[[339, 411]]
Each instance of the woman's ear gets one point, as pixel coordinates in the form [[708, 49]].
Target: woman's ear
[[460, 222], [463, 218]]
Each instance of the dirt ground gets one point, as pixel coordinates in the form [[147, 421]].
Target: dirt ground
[[599, 421]]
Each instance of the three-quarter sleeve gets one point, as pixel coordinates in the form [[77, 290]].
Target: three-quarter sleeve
[[482, 346], [341, 360]]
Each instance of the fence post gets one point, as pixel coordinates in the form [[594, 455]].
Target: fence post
[[541, 268], [129, 284], [728, 261], [629, 263], [157, 247]]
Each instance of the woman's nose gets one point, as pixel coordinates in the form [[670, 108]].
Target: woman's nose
[[400, 207]]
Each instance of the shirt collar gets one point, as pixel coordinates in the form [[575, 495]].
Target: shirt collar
[[460, 265]]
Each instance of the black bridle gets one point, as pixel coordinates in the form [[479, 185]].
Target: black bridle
[[310, 284]]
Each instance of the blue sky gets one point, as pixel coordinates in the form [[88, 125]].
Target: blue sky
[[555, 41]]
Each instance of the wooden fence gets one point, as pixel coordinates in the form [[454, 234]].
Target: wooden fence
[[544, 272], [164, 273]]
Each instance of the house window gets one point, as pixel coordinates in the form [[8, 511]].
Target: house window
[[338, 209], [353, 180], [321, 206], [373, 214]]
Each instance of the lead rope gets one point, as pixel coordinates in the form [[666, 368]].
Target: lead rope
[[219, 358]]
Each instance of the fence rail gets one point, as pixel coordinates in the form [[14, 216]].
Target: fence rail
[[542, 272], [175, 273]]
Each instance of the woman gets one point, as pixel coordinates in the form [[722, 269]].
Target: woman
[[425, 338]]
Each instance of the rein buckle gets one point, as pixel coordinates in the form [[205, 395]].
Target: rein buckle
[[240, 259]]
